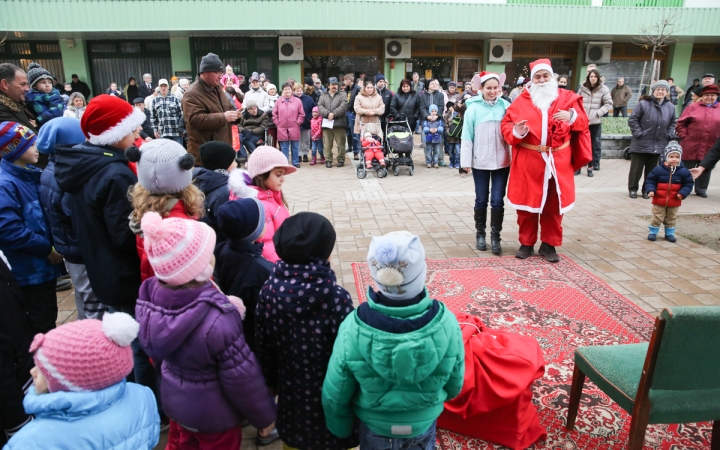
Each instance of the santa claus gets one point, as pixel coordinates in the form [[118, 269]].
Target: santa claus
[[548, 130]]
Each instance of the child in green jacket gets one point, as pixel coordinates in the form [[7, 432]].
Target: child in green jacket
[[398, 357]]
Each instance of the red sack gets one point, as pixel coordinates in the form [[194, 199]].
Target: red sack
[[235, 138], [495, 402]]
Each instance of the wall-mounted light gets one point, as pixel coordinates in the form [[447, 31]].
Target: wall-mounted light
[[70, 43]]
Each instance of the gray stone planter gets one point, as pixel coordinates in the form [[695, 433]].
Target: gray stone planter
[[614, 145]]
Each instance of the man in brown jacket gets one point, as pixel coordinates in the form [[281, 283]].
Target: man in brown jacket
[[621, 95], [333, 106], [209, 116]]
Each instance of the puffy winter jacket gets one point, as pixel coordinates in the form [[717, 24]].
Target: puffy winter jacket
[[275, 210], [288, 114], [122, 416], [699, 128], [57, 207], [308, 104], [387, 96], [197, 335], [25, 236], [652, 124], [620, 96], [407, 104], [437, 137], [597, 102], [395, 382], [255, 124], [666, 184], [427, 98], [215, 187], [337, 105], [363, 106], [482, 145], [98, 179], [45, 106]]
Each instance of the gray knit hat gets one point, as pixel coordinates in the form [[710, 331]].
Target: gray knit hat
[[163, 165], [211, 63], [673, 147], [660, 83], [37, 73]]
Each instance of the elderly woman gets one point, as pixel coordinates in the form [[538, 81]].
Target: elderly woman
[[405, 102], [288, 115], [597, 102], [699, 129], [652, 123]]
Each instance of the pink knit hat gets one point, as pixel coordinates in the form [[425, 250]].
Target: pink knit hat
[[179, 250], [86, 355], [266, 158]]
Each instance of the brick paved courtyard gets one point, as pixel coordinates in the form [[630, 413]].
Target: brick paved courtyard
[[603, 233]]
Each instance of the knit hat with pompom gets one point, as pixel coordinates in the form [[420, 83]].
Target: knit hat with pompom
[[164, 166], [179, 250], [397, 264], [36, 73], [86, 355]]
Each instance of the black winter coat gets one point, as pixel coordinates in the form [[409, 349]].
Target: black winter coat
[[16, 334], [214, 186], [147, 129], [712, 157], [428, 98], [387, 97], [298, 316], [58, 211], [241, 270], [98, 179], [652, 125], [407, 104]]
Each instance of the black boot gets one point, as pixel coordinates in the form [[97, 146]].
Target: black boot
[[480, 224], [548, 251], [496, 220], [525, 251]]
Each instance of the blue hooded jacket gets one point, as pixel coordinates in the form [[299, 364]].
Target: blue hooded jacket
[[122, 416], [25, 237]]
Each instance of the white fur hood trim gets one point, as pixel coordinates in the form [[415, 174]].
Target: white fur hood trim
[[237, 185]]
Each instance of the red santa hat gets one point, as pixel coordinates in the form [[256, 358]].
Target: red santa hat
[[108, 119], [479, 78], [540, 64]]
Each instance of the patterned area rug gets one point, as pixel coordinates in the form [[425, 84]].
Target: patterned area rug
[[563, 306]]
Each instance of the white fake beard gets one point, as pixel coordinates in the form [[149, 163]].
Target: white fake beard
[[543, 95]]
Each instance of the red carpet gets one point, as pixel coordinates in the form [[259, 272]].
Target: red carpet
[[563, 307]]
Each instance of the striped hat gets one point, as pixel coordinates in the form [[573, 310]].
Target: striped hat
[[179, 250], [15, 139]]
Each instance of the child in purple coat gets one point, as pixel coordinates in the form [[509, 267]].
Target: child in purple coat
[[210, 380]]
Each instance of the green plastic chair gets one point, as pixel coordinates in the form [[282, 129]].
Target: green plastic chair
[[678, 382]]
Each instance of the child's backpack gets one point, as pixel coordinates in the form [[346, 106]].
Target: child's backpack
[[455, 127]]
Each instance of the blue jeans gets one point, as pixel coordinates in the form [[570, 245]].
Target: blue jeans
[[317, 147], [454, 152], [249, 140], [432, 151], [482, 180], [294, 147], [372, 441], [177, 139]]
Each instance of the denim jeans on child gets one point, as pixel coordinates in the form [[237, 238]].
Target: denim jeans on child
[[454, 152], [432, 152], [317, 147], [292, 146], [372, 441], [482, 179]]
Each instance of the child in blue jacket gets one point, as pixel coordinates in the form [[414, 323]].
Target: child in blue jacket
[[433, 129], [43, 99], [25, 236]]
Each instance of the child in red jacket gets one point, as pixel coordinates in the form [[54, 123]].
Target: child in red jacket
[[316, 135], [373, 149]]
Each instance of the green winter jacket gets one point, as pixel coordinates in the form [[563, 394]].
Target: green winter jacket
[[395, 383]]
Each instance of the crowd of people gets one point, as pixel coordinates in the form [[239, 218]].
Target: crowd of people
[[171, 222]]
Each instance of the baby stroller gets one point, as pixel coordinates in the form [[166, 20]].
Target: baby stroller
[[361, 168], [400, 144]]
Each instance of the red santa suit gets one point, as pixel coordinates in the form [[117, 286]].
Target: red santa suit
[[542, 172]]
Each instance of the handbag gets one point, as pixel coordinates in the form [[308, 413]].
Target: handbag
[[495, 403]]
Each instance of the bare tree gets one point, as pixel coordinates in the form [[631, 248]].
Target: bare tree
[[658, 37]]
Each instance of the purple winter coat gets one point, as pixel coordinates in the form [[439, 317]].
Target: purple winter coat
[[210, 378], [288, 115]]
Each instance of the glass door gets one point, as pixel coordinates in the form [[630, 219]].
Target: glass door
[[466, 68]]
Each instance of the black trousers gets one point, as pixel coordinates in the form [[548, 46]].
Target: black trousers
[[641, 164], [40, 303], [701, 182], [595, 133]]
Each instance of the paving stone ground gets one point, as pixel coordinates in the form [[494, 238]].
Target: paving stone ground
[[603, 233]]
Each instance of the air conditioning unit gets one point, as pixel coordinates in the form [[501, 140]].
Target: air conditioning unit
[[397, 48], [501, 50], [598, 52], [290, 48]]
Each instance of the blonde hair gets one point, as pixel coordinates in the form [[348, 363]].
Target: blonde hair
[[297, 86], [143, 201]]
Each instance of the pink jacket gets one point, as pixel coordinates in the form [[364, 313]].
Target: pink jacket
[[275, 210], [233, 79], [287, 115], [699, 129], [316, 128]]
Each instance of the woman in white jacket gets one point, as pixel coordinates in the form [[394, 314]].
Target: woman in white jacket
[[597, 102], [75, 106], [484, 150]]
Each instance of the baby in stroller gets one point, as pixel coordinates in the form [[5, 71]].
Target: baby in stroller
[[372, 145]]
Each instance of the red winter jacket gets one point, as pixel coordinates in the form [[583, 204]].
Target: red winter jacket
[[699, 129], [146, 270]]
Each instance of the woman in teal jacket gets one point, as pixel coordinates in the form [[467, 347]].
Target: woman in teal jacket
[[398, 357], [484, 150]]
